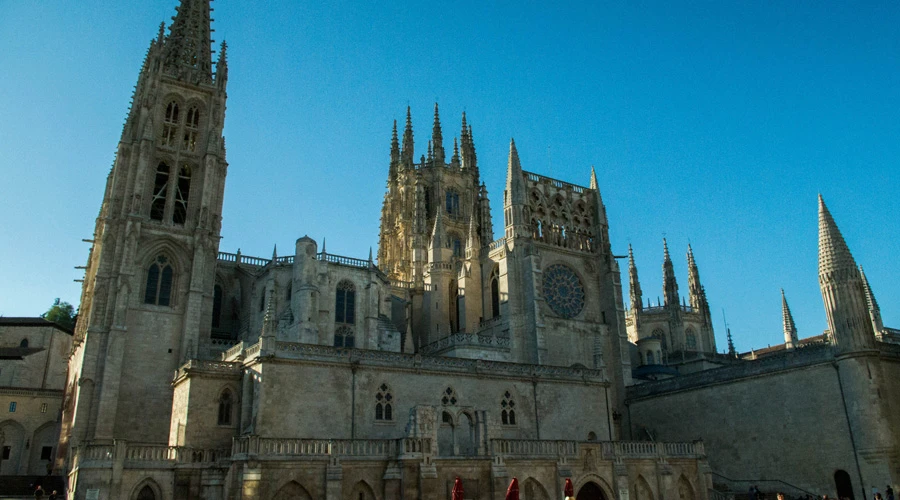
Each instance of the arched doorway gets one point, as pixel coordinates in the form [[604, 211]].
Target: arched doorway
[[590, 491], [292, 491], [146, 493], [843, 485]]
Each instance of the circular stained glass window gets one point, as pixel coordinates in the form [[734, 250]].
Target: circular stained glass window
[[563, 291]]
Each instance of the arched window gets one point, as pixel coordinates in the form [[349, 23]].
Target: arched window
[[343, 336], [170, 125], [449, 397], [452, 202], [650, 360], [345, 303], [146, 493], [495, 293], [23, 343], [191, 129], [508, 410], [182, 192], [217, 306], [690, 339], [453, 297], [160, 191], [384, 404], [226, 403], [456, 244], [661, 335], [159, 282]]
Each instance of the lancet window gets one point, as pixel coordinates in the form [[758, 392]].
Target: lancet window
[[226, 407], [217, 306], [384, 404], [507, 409], [170, 125], [661, 335], [690, 339], [160, 192], [159, 282], [345, 303], [182, 193], [495, 292], [452, 202], [191, 129]]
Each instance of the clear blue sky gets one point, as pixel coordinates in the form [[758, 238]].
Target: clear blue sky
[[714, 123]]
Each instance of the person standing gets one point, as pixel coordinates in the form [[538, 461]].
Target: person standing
[[38, 492], [889, 492]]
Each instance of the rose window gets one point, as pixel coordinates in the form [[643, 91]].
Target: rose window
[[563, 291]]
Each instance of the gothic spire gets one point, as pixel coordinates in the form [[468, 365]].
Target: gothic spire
[[472, 242], [395, 146], [455, 160], [222, 66], [438, 235], [834, 256], [406, 154], [874, 310], [790, 329], [437, 139], [515, 183], [594, 184], [670, 285], [842, 289], [731, 350], [634, 285], [695, 289], [187, 54]]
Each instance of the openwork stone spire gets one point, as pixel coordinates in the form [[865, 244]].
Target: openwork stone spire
[[634, 284], [834, 256], [437, 139], [187, 54], [842, 289], [406, 155], [790, 329], [670, 285], [395, 147]]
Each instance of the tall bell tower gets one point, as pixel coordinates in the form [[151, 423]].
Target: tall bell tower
[[147, 294]]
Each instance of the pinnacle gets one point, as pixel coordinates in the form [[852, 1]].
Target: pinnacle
[[690, 256], [594, 184], [790, 328], [870, 297], [834, 255], [665, 250], [187, 48]]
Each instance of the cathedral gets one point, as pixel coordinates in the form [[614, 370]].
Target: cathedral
[[200, 374]]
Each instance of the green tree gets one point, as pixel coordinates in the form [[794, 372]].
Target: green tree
[[61, 313]]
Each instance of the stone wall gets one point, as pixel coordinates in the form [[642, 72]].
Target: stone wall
[[780, 418]]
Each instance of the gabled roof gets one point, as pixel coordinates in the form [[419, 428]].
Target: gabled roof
[[32, 322]]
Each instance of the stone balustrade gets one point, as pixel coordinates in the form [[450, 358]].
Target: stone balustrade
[[368, 448], [465, 339], [533, 448], [610, 450]]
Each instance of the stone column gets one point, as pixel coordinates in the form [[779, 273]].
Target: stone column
[[251, 480], [212, 482], [334, 475]]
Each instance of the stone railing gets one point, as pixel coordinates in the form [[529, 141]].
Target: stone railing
[[369, 448], [533, 448], [228, 367], [237, 258], [497, 243], [554, 182], [142, 455], [465, 339], [253, 350], [610, 450], [234, 351], [344, 261]]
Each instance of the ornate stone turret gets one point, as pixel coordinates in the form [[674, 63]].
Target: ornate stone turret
[[187, 54], [790, 330], [395, 151], [437, 139], [695, 290], [635, 296], [407, 155], [670, 284], [514, 196], [842, 289], [874, 310]]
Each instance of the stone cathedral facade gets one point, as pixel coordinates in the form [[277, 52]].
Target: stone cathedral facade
[[196, 373]]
